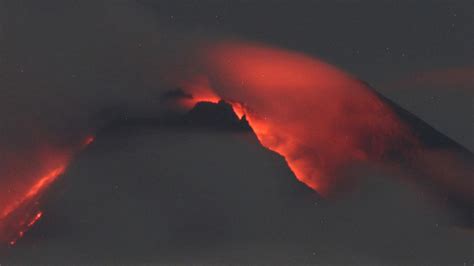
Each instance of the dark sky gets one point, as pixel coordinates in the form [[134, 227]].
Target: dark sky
[[396, 36]]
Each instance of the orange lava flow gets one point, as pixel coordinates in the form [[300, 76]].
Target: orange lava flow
[[40, 185], [317, 117], [20, 211]]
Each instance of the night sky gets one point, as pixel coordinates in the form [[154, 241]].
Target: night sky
[[160, 184]]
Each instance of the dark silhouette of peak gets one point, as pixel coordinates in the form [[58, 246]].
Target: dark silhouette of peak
[[428, 135], [220, 115]]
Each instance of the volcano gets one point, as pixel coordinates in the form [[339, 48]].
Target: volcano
[[170, 132], [148, 192]]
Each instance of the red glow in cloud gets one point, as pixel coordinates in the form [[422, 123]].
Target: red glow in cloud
[[19, 208], [316, 116], [200, 87]]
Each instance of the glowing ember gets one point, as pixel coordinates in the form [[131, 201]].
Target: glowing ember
[[89, 140], [22, 232], [35, 219]]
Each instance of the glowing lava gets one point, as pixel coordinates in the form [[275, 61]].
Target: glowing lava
[[40, 185], [21, 210], [88, 141]]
